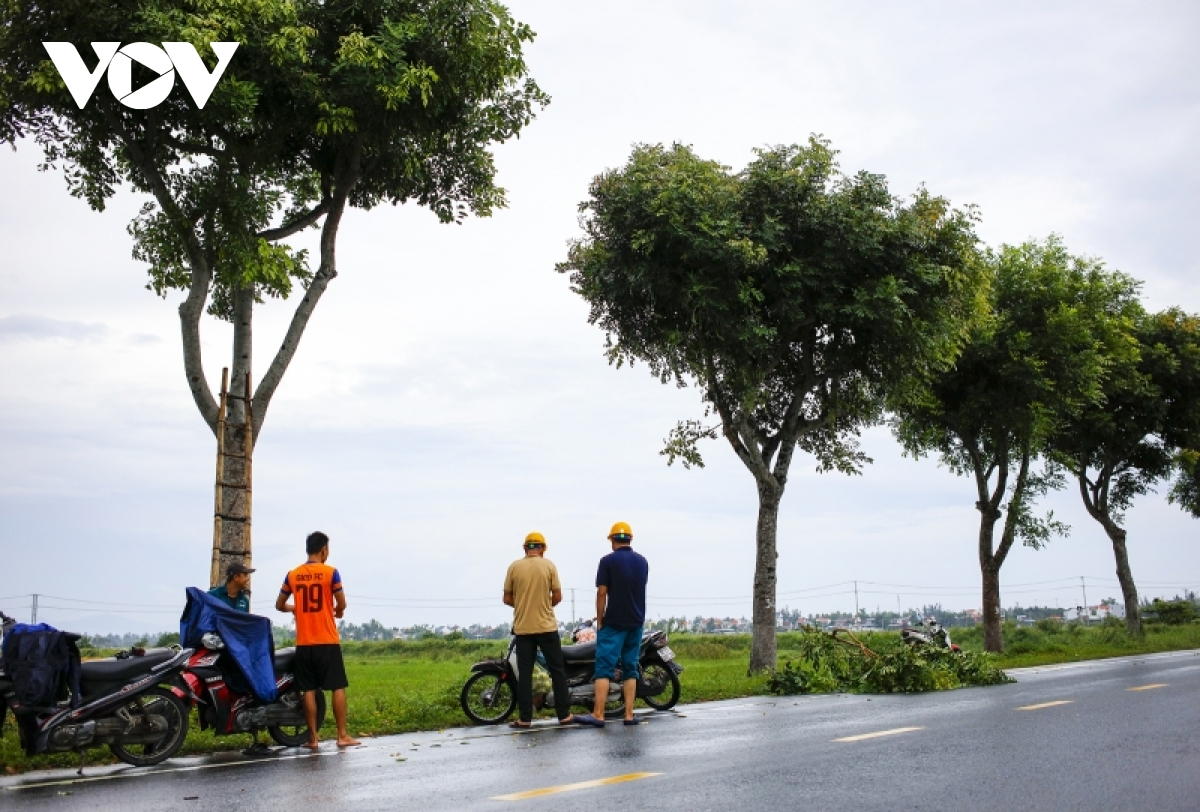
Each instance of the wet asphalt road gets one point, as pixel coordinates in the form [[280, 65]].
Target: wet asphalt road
[[1108, 743]]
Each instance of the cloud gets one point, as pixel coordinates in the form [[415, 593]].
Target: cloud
[[40, 328]]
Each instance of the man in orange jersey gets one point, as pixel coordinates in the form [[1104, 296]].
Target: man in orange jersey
[[319, 599]]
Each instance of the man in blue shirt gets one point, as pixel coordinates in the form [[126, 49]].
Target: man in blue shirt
[[620, 613], [234, 593]]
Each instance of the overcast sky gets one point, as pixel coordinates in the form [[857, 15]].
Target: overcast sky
[[449, 395]]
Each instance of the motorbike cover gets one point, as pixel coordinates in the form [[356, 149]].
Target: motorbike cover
[[247, 638]]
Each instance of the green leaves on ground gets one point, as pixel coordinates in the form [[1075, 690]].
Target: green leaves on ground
[[828, 663]]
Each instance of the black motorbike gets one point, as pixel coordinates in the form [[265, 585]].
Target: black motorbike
[[123, 703], [490, 694]]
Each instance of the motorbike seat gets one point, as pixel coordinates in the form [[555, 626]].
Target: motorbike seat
[[580, 651], [111, 669], [283, 660]]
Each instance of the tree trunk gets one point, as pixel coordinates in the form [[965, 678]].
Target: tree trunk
[[1133, 616], [993, 636], [234, 485], [762, 649], [1095, 499]]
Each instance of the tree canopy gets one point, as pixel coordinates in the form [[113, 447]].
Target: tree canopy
[[1142, 430], [1039, 356], [323, 105], [795, 297]]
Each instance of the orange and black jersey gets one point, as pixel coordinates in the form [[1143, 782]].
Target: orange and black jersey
[[313, 587]]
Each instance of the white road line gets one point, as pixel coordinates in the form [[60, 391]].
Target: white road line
[[876, 735], [152, 771]]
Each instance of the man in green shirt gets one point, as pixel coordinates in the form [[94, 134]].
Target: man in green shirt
[[532, 589], [234, 594]]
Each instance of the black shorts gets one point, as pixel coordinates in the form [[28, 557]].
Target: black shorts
[[319, 668]]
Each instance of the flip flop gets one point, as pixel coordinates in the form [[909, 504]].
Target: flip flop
[[589, 720], [633, 721], [519, 725]]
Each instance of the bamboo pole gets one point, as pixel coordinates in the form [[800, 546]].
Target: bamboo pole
[[215, 574], [248, 447]]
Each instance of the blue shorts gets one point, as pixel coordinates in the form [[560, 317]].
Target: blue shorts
[[613, 645]]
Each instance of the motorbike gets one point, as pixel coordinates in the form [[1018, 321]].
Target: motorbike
[[123, 703], [490, 693], [215, 686], [6, 623], [930, 633]]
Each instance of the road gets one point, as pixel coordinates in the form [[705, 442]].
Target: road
[[1106, 735]]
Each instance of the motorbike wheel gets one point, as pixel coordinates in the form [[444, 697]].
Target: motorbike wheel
[[487, 699], [297, 735], [154, 702], [659, 686]]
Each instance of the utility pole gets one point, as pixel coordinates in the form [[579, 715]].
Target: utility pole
[[1087, 615], [856, 602], [33, 611], [574, 619]]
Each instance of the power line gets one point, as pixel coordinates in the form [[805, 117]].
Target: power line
[[77, 610], [110, 603]]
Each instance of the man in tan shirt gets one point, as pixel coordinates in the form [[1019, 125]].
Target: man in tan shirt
[[532, 589]]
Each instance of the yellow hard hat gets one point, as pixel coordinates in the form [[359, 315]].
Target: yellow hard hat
[[536, 538], [621, 529]]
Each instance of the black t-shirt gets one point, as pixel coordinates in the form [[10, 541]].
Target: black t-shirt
[[624, 572]]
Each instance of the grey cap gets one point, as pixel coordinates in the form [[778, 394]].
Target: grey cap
[[236, 569]]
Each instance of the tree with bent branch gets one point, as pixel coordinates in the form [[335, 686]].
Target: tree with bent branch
[[794, 297], [324, 106]]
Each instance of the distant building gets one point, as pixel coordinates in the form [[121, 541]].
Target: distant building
[[1094, 614]]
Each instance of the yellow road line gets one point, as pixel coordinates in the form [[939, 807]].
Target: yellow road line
[[599, 782], [1047, 704], [891, 732], [1148, 687]]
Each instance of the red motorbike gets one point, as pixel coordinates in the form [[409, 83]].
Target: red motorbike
[[224, 701]]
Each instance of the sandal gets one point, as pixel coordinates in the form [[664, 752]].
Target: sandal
[[589, 720], [519, 725]]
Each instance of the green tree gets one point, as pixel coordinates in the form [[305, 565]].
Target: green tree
[[1135, 435], [1186, 490], [325, 104], [794, 297], [1040, 356]]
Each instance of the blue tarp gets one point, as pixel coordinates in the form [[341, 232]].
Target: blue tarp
[[37, 658], [247, 638]]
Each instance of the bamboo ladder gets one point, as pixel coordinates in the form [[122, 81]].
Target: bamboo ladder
[[219, 517]]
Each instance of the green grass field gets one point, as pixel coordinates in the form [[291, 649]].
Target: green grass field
[[399, 686]]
